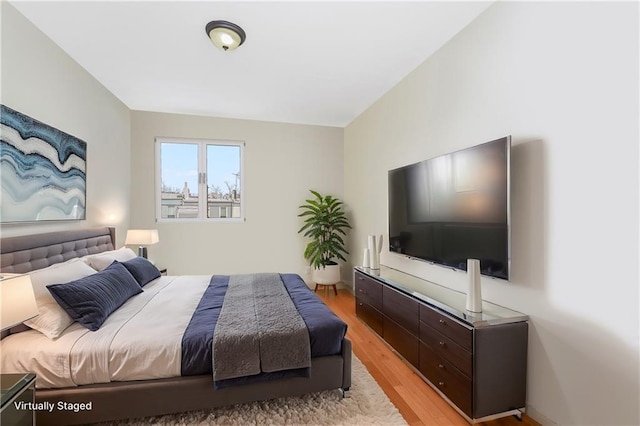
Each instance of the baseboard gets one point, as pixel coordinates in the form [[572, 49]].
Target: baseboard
[[539, 417], [345, 286]]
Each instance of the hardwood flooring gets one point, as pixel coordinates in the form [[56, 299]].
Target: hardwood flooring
[[416, 401]]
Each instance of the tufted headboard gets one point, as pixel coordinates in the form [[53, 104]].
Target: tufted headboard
[[30, 252]]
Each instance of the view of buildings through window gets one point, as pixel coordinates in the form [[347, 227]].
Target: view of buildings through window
[[200, 179]]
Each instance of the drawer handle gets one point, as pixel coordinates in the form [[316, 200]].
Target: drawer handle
[[441, 321], [360, 291], [440, 384], [360, 303], [361, 279], [441, 343], [440, 366]]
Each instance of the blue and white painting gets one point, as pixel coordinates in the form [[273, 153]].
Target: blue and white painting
[[42, 171]]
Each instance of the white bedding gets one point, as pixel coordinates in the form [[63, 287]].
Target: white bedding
[[141, 340]]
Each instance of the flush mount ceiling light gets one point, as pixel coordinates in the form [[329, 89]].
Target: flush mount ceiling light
[[225, 35]]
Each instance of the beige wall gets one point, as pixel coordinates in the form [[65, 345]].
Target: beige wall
[[282, 162], [42, 81], [562, 79]]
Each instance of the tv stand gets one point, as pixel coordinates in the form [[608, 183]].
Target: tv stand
[[476, 361]]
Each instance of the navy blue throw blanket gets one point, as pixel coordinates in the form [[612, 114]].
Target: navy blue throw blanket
[[326, 330]]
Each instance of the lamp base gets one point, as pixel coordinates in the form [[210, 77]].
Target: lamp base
[[142, 251]]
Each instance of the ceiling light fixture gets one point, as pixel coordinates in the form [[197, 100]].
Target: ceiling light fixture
[[226, 35]]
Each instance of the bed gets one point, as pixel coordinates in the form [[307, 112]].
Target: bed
[[118, 391]]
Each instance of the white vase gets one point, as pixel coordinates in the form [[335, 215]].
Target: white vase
[[366, 258], [330, 274], [374, 244], [474, 293]]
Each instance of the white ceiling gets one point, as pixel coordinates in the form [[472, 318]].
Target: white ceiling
[[318, 63]]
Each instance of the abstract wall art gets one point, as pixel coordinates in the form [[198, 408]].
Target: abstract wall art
[[42, 171]]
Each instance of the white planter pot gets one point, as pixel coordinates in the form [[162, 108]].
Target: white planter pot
[[328, 275]]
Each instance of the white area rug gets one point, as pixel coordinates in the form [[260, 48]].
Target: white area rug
[[366, 405]]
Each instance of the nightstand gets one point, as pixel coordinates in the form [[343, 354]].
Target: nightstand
[[17, 396]]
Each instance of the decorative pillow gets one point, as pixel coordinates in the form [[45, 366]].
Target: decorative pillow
[[52, 320], [101, 260], [90, 300], [142, 270]]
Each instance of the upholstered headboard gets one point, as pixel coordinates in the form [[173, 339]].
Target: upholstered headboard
[[30, 252], [27, 253]]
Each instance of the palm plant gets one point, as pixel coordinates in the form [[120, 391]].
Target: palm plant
[[325, 223]]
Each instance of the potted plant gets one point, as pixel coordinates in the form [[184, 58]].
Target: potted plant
[[325, 223]]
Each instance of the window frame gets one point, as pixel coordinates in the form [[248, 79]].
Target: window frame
[[202, 179]]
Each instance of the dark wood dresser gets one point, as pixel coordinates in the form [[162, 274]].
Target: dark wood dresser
[[477, 362]]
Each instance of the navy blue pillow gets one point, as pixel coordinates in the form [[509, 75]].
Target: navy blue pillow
[[90, 300], [142, 270]]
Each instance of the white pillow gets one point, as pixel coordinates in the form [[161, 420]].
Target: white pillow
[[102, 260], [52, 320]]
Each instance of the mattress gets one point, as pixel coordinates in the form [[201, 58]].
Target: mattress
[[144, 338], [137, 342]]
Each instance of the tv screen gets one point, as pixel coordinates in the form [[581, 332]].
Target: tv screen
[[454, 207]]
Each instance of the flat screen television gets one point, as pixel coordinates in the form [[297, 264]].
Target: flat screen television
[[454, 207]]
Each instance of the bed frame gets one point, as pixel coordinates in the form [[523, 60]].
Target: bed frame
[[123, 400]]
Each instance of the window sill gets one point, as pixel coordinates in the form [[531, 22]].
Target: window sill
[[214, 220]]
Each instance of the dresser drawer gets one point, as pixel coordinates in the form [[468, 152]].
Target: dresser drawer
[[402, 309], [447, 378], [401, 340], [370, 315], [446, 325], [447, 348], [368, 290]]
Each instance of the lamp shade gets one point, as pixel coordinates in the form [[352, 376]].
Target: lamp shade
[[17, 302], [225, 35], [142, 237]]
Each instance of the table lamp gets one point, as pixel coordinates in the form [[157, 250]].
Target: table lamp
[[142, 238], [17, 301]]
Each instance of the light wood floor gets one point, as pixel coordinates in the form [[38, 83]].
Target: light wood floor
[[416, 401]]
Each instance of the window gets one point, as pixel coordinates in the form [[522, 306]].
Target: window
[[199, 180]]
